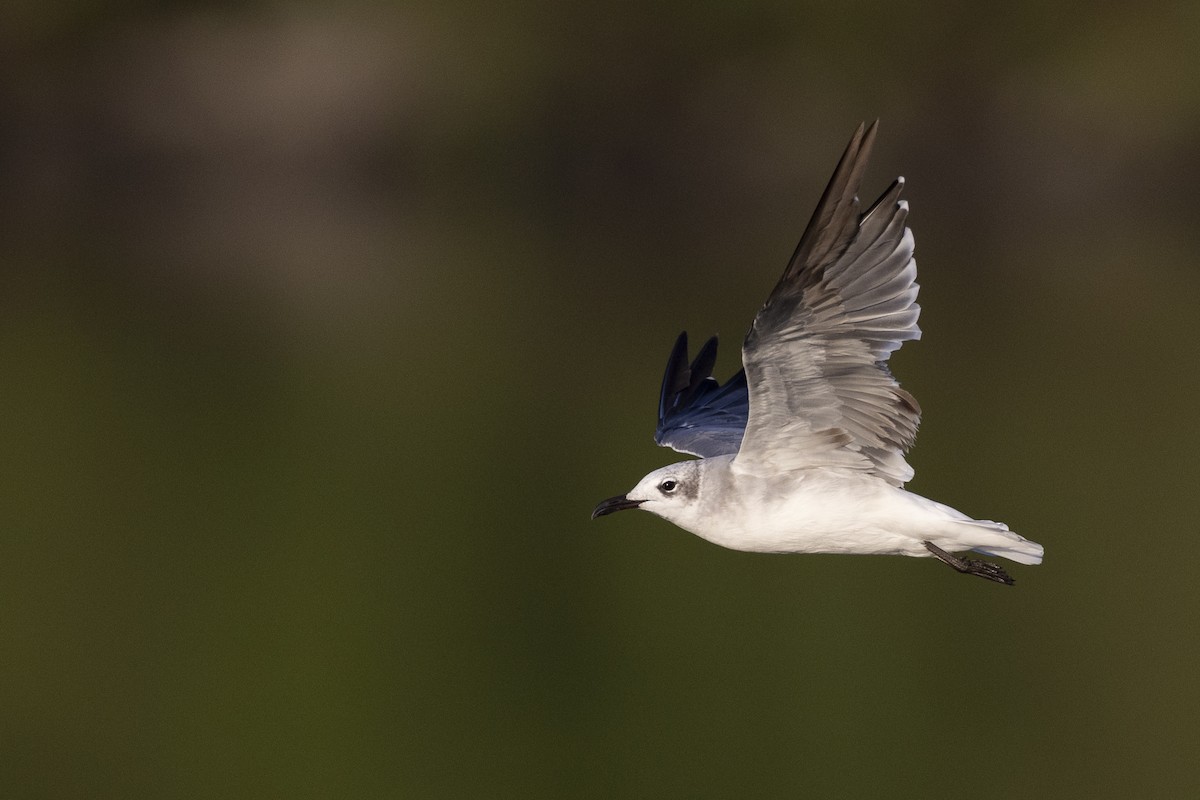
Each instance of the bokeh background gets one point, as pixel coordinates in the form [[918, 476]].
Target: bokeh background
[[323, 327]]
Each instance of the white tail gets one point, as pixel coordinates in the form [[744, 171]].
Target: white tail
[[1000, 541]]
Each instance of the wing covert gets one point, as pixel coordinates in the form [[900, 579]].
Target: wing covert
[[815, 356]]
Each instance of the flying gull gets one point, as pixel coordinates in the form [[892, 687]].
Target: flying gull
[[803, 450]]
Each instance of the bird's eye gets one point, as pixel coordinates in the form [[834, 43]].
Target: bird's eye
[[668, 485]]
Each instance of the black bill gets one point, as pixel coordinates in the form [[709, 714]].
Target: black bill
[[618, 503]]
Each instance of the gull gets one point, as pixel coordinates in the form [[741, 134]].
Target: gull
[[802, 451]]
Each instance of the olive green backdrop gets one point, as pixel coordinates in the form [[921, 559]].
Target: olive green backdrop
[[324, 327]]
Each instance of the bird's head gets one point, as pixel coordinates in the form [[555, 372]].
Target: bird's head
[[672, 493]]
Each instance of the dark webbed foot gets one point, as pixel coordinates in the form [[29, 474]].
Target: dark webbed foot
[[971, 566]]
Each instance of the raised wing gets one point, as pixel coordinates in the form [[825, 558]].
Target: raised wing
[[696, 414], [816, 355]]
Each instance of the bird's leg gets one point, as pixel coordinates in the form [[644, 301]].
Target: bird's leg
[[971, 566]]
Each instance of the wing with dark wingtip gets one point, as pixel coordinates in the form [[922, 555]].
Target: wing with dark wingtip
[[821, 394], [696, 414]]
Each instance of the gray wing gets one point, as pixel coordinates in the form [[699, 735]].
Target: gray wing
[[696, 414], [816, 355]]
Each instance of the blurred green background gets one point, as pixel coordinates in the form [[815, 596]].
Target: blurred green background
[[323, 327]]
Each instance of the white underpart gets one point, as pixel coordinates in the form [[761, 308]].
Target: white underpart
[[820, 511]]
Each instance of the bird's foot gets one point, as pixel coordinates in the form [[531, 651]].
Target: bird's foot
[[971, 566]]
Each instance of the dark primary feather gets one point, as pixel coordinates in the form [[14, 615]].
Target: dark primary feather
[[696, 414], [815, 356]]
